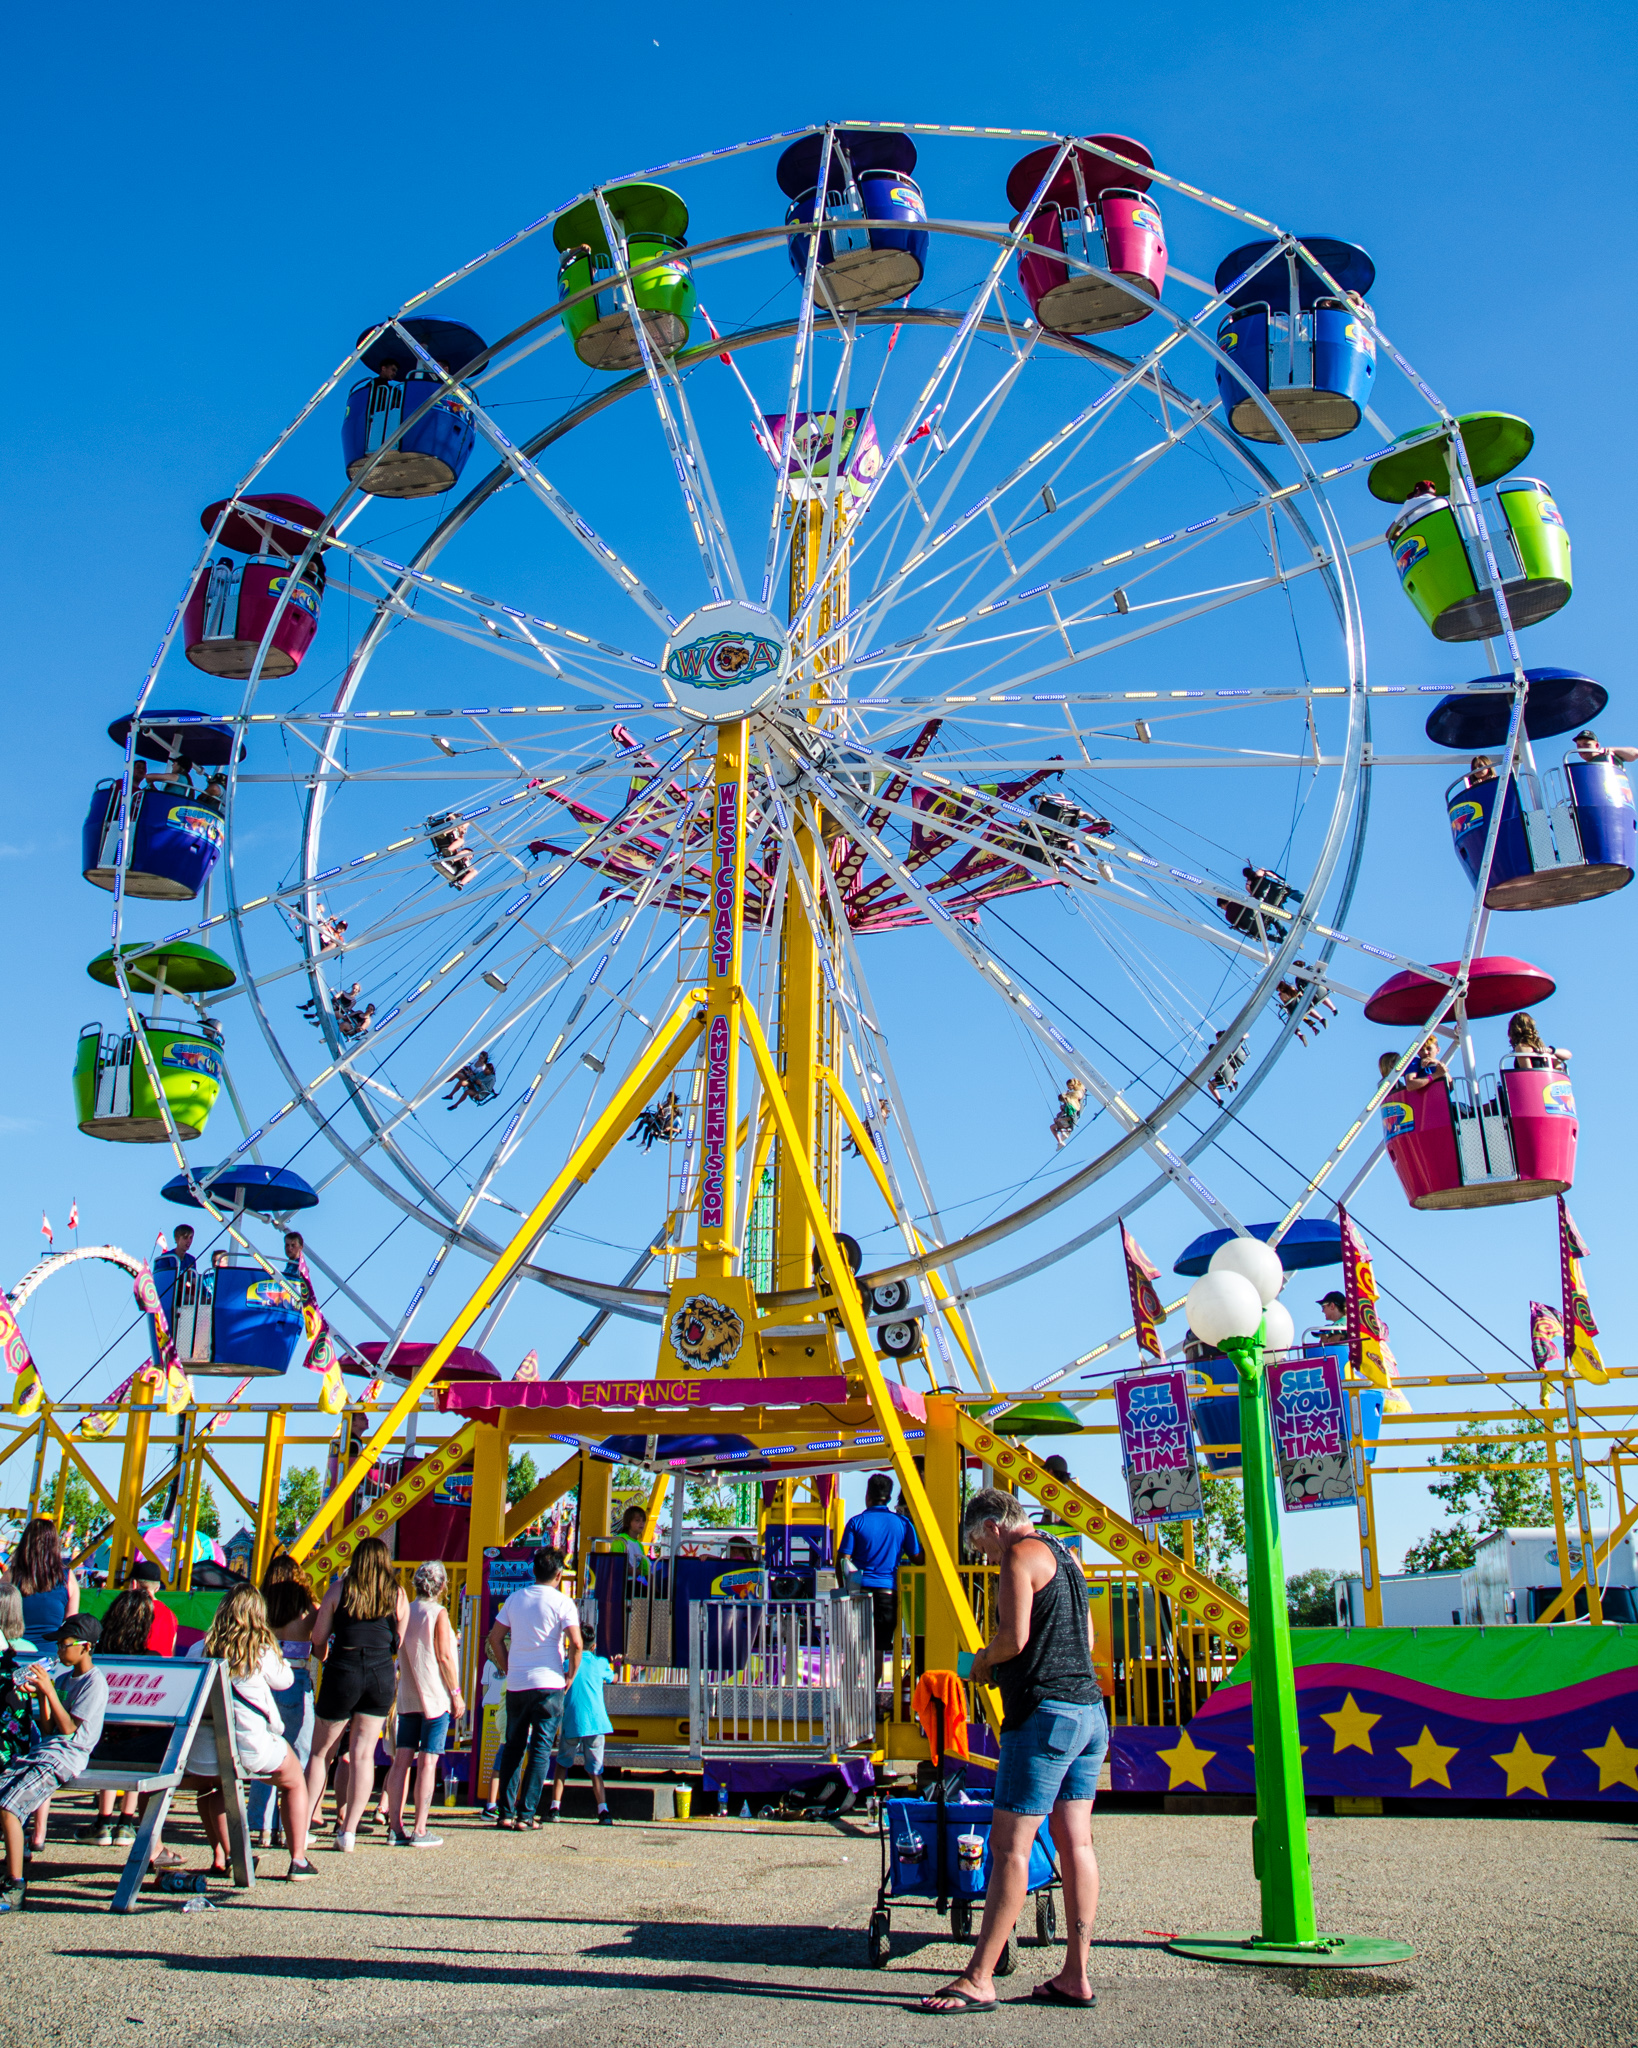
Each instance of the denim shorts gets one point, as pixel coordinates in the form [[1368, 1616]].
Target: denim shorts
[[590, 1748], [422, 1734], [1056, 1755]]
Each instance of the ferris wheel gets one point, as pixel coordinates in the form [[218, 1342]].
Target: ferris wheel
[[1024, 557]]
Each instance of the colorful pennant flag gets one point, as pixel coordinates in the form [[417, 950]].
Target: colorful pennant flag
[[528, 1366], [1368, 1351], [1581, 1352], [1147, 1308], [226, 1409], [1546, 1334], [27, 1394]]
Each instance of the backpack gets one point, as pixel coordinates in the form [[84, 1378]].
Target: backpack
[[16, 1716]]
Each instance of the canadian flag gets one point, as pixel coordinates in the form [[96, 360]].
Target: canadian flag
[[74, 1215], [45, 1228]]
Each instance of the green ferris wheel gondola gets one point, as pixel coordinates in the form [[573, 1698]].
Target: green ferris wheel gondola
[[177, 966], [1436, 539], [114, 1093], [1051, 1417], [653, 222]]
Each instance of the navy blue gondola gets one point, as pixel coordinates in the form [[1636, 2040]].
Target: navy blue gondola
[[233, 1318], [1568, 834], [1301, 351], [387, 457], [1310, 1241], [874, 247], [175, 840], [176, 831]]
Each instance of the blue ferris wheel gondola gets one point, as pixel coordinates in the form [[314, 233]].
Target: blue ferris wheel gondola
[[1309, 1242], [263, 1190]]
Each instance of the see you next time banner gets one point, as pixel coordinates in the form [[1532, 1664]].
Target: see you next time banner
[[1309, 1412], [1157, 1447]]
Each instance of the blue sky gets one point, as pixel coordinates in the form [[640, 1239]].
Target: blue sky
[[206, 208]]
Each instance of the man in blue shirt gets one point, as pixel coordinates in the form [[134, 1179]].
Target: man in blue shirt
[[873, 1544]]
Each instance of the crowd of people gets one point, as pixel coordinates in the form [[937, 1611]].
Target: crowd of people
[[330, 1689], [383, 1655]]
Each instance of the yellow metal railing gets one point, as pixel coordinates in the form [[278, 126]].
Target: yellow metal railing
[[1155, 1666]]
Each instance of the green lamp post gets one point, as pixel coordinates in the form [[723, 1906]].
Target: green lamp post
[[1227, 1307]]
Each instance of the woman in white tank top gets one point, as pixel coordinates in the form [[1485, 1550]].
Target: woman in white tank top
[[429, 1697]]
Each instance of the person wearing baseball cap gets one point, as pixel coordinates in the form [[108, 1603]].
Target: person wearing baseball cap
[[70, 1716]]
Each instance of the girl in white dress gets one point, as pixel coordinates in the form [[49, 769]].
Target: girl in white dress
[[242, 1639]]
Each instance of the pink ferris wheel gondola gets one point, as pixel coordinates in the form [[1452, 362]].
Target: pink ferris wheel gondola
[[228, 612], [1096, 212]]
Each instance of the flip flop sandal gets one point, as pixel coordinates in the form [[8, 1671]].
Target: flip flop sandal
[[966, 2005], [1049, 1994], [165, 1859]]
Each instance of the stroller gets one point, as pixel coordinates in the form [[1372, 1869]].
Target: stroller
[[937, 1851]]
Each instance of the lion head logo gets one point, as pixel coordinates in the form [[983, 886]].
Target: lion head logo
[[706, 1332]]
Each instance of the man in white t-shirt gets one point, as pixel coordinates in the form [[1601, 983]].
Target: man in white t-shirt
[[536, 1642]]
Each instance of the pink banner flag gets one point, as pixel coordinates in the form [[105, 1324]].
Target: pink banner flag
[[1147, 1308]]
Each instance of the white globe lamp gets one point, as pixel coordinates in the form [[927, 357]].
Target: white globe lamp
[[1252, 1260], [1222, 1306], [1279, 1331]]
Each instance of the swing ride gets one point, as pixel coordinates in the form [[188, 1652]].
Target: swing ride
[[918, 613]]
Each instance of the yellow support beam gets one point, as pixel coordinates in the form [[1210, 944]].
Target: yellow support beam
[[1558, 1610], [669, 1044], [725, 945], [1195, 1596], [868, 1153], [381, 1515], [540, 1497], [266, 1523], [940, 1559], [651, 1515], [120, 1522]]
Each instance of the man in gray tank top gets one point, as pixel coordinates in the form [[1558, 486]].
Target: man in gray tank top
[[1054, 1735]]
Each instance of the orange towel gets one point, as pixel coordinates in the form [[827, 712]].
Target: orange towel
[[945, 1686]]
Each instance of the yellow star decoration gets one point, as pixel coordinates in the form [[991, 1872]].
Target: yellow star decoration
[[1617, 1765], [1186, 1764], [1351, 1727], [1526, 1770], [1429, 1760]]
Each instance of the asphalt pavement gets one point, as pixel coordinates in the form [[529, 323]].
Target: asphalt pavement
[[748, 1934]]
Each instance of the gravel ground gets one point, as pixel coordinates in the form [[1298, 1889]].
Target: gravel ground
[[737, 1933]]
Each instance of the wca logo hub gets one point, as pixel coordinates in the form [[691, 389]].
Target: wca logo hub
[[724, 661]]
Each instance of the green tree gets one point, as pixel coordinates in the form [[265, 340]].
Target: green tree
[[712, 1504], [1220, 1534], [210, 1518], [1493, 1493], [300, 1495], [521, 1477], [82, 1507], [1309, 1598]]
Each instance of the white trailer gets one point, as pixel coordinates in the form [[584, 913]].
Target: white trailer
[[1409, 1600], [1515, 1577]]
